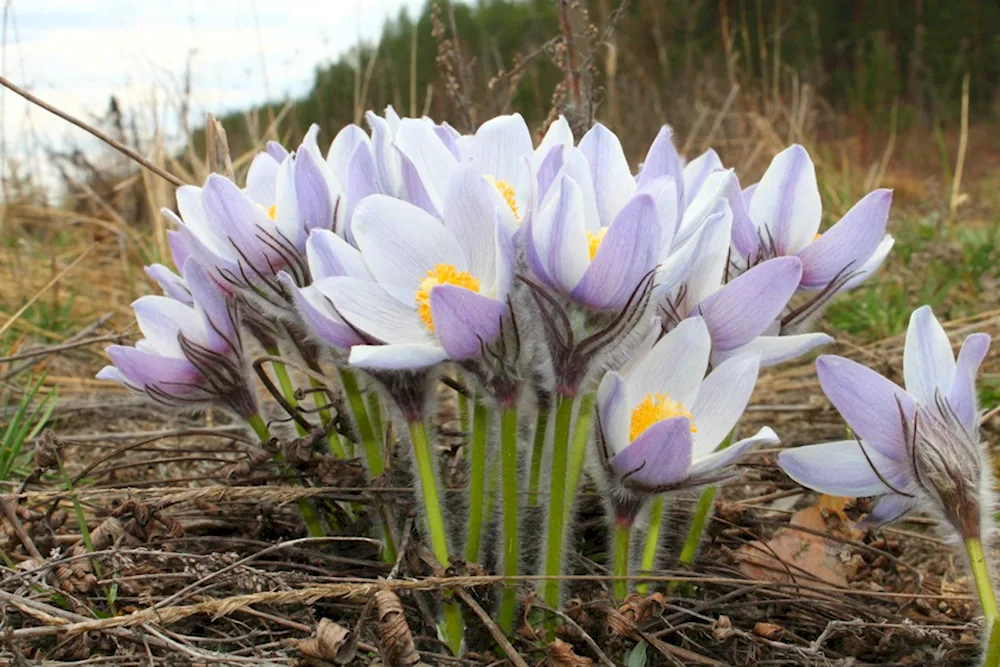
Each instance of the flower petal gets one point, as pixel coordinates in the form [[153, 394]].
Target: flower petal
[[559, 135], [849, 243], [872, 264], [744, 307], [161, 319], [375, 312], [705, 465], [868, 402], [777, 349], [331, 256], [614, 411], [577, 167], [464, 321], [962, 394], [144, 369], [386, 158], [277, 151], [499, 145], [342, 149], [928, 362], [217, 310], [675, 366], [709, 266], [401, 243], [787, 201], [312, 192], [658, 457], [697, 170], [396, 357], [239, 221], [662, 160], [171, 283], [318, 313], [432, 160], [887, 509], [841, 469], [721, 400], [261, 179], [558, 235], [470, 213], [627, 253], [611, 175]]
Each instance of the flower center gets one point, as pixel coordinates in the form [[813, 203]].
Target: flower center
[[594, 241], [655, 408], [442, 274], [508, 193], [272, 209]]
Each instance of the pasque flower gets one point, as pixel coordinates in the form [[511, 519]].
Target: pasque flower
[[661, 419], [917, 448], [780, 216], [440, 286], [191, 355]]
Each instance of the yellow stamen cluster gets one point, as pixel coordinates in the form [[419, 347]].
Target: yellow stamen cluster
[[594, 241], [442, 274], [654, 408], [508, 193], [272, 210]]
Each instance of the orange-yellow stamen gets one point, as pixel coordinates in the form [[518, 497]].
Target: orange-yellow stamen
[[594, 241], [272, 210], [442, 274], [654, 408], [508, 193]]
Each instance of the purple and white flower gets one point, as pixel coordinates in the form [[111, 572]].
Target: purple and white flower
[[660, 420], [917, 448], [190, 355]]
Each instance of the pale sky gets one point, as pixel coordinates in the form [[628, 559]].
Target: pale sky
[[75, 54]]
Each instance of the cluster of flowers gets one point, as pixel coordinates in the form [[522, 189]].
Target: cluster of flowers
[[550, 276]]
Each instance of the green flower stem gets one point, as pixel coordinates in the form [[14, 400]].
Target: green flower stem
[[701, 514], [992, 657], [537, 449], [333, 440], [508, 462], [356, 401], [981, 574], [462, 402], [375, 415], [370, 440], [285, 382], [557, 502], [623, 535], [578, 455], [652, 540], [453, 625], [305, 507], [477, 481]]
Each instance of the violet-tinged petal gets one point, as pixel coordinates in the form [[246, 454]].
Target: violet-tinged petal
[[787, 201], [277, 151], [112, 374], [171, 283], [928, 362], [362, 181], [675, 366], [662, 160], [505, 263], [141, 368], [721, 400], [707, 202], [660, 456], [871, 265], [416, 191], [393, 119], [849, 243], [342, 149], [677, 266], [498, 146], [614, 411], [704, 466], [549, 167], [449, 137], [887, 509], [401, 243], [709, 268], [464, 321], [286, 205], [375, 312], [313, 195], [161, 319], [261, 179], [962, 393], [627, 253], [396, 357], [842, 469], [559, 237], [179, 251], [664, 193], [239, 220], [386, 158], [576, 166], [432, 160], [330, 256], [748, 194], [192, 211], [697, 170], [777, 349], [470, 214], [216, 309], [558, 135], [654, 331], [318, 313], [743, 308], [609, 170], [868, 402], [745, 240]]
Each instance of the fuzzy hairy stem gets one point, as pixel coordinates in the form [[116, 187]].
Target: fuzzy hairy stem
[[477, 480], [285, 382], [981, 575], [652, 542], [623, 535], [508, 462], [557, 501], [578, 454], [537, 450]]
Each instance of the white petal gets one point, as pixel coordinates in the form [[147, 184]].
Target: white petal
[[787, 200], [928, 362], [499, 145], [614, 405], [676, 364], [721, 400], [432, 159], [373, 310]]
